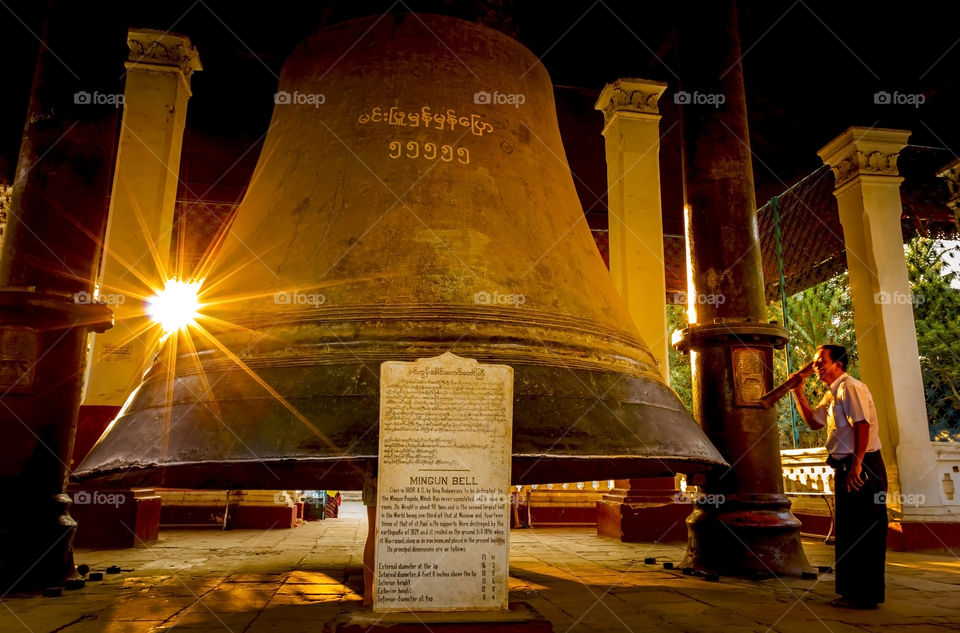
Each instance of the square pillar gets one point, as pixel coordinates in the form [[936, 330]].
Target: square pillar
[[137, 247], [632, 134], [864, 163]]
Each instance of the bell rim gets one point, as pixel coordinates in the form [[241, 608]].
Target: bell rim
[[249, 474]]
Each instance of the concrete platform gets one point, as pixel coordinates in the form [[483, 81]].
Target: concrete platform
[[246, 581]]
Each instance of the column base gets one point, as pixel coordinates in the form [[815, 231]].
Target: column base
[[116, 519], [644, 522], [753, 538], [909, 536], [644, 511]]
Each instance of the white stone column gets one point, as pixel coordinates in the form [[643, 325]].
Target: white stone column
[[632, 134], [142, 205], [864, 163]]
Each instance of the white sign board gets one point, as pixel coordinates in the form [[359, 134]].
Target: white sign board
[[443, 491]]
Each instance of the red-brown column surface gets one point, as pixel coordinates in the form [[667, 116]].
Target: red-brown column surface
[[49, 259], [742, 523]]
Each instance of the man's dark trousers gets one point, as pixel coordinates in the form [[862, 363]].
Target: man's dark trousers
[[861, 524]]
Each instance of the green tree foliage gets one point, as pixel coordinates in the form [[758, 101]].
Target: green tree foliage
[[680, 378], [819, 314], [936, 311]]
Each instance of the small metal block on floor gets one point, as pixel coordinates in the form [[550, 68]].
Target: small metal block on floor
[[95, 576], [53, 592], [519, 618], [650, 560], [668, 565], [75, 583], [113, 569]]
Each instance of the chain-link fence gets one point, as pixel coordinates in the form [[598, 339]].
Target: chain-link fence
[[930, 227], [196, 226], [806, 285], [807, 291]]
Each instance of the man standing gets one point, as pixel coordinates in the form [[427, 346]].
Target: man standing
[[853, 443]]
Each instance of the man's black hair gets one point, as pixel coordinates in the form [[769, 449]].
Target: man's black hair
[[838, 353]]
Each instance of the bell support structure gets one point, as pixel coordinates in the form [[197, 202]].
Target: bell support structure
[[742, 524], [48, 263]]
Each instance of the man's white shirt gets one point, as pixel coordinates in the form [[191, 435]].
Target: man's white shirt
[[847, 402]]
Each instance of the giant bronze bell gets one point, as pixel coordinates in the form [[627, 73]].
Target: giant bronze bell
[[412, 198]]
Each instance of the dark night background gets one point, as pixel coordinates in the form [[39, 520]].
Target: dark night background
[[811, 69]]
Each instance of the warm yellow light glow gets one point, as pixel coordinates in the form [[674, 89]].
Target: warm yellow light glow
[[676, 337], [175, 307], [691, 293]]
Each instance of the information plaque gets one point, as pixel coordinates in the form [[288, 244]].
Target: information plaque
[[443, 485]]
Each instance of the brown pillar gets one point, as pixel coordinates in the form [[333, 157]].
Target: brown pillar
[[741, 524], [648, 510], [49, 258]]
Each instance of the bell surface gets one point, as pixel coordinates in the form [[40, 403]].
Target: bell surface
[[412, 198]]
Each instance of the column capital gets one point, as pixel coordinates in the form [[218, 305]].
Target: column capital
[[864, 152], [633, 98], [160, 51]]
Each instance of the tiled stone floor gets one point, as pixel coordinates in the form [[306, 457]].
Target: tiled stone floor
[[302, 579]]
